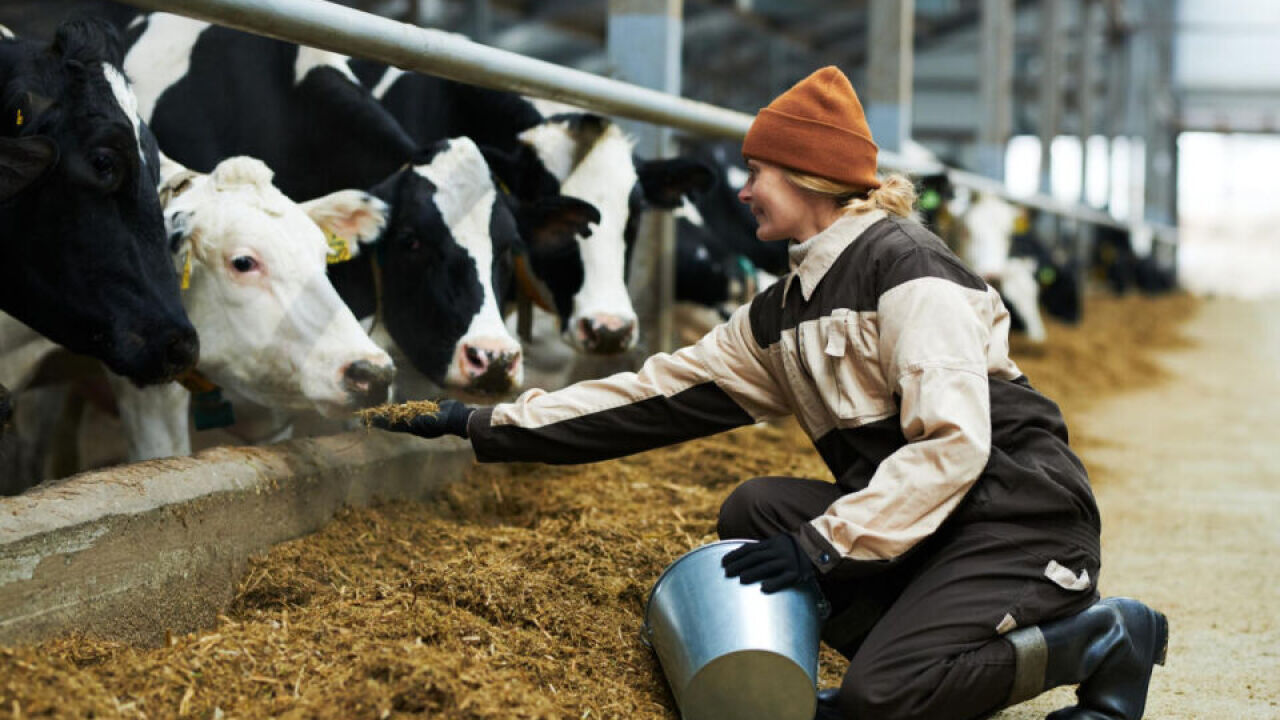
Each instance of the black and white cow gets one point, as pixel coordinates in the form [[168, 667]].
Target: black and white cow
[[1115, 261], [210, 92], [720, 263], [80, 225], [447, 255], [541, 149]]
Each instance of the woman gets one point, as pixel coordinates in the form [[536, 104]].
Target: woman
[[959, 544]]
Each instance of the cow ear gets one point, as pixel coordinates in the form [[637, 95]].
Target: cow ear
[[666, 182], [176, 182], [554, 223], [348, 218], [520, 172], [23, 161]]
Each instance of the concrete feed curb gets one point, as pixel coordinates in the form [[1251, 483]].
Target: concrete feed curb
[[134, 551]]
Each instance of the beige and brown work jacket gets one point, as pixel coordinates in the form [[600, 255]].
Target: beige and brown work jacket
[[893, 356]]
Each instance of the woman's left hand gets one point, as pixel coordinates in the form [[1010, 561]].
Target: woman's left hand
[[776, 563]]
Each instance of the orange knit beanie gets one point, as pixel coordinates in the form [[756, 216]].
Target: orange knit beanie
[[817, 127]]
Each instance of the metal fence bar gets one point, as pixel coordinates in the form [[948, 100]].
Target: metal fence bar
[[352, 32]]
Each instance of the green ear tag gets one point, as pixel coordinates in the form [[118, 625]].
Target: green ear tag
[[209, 410], [339, 248], [930, 200]]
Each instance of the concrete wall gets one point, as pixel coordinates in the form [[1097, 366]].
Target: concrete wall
[[130, 552]]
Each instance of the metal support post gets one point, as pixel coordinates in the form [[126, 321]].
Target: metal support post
[[1050, 88], [1050, 103], [1160, 190], [995, 85], [644, 43], [889, 68], [1087, 72]]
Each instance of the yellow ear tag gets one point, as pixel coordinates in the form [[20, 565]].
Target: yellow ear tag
[[339, 248], [186, 270], [19, 116], [1021, 224]]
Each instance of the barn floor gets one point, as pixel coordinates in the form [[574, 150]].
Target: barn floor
[[519, 593]]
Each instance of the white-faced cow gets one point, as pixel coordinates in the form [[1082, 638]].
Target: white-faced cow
[[989, 224], [211, 92], [276, 338], [276, 334], [541, 149], [80, 225]]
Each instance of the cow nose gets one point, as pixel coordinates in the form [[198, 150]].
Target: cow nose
[[606, 334], [368, 381], [181, 351], [490, 369]]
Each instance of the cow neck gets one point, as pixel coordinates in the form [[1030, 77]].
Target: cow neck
[[209, 410], [531, 292], [376, 258]]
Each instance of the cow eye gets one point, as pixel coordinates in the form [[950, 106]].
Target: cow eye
[[105, 166], [244, 263]]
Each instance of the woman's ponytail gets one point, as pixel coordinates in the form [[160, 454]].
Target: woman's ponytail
[[896, 194]]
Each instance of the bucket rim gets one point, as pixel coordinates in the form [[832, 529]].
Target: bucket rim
[[648, 603], [658, 583]]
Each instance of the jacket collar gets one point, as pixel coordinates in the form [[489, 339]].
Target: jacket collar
[[811, 259]]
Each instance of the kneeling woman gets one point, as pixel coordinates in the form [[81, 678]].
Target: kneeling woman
[[959, 544]]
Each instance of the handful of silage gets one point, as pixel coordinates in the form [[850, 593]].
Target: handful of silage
[[398, 412]]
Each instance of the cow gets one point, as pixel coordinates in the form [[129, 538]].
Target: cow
[[719, 256], [82, 231], [211, 92], [540, 149], [1115, 262], [998, 241], [274, 332], [447, 255]]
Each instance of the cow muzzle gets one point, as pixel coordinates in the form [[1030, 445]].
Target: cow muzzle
[[155, 356], [367, 383], [604, 334], [491, 368]]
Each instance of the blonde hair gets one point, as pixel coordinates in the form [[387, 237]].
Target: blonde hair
[[896, 194]]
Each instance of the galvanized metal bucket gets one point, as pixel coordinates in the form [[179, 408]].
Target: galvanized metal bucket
[[728, 649]]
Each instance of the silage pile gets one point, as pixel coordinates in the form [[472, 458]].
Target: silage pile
[[518, 594]]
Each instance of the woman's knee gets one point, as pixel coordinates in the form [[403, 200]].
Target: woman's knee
[[872, 695], [743, 515]]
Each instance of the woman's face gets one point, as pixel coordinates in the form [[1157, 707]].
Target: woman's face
[[783, 210]]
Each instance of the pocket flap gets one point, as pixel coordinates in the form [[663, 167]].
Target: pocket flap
[[836, 341], [1064, 578]]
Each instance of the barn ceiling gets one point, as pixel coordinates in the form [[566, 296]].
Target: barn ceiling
[[773, 42]]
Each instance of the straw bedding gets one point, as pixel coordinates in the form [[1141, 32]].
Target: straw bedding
[[517, 594]]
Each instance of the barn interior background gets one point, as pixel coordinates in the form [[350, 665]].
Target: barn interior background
[[1159, 117]]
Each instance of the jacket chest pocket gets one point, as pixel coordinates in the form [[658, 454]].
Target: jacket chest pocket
[[842, 355]]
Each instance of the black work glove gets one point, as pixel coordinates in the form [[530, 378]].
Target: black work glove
[[775, 563], [450, 419]]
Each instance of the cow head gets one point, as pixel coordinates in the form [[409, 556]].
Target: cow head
[[253, 263], [588, 157], [449, 242], [83, 236]]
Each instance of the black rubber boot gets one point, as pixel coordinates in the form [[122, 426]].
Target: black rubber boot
[[827, 708], [1109, 649]]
